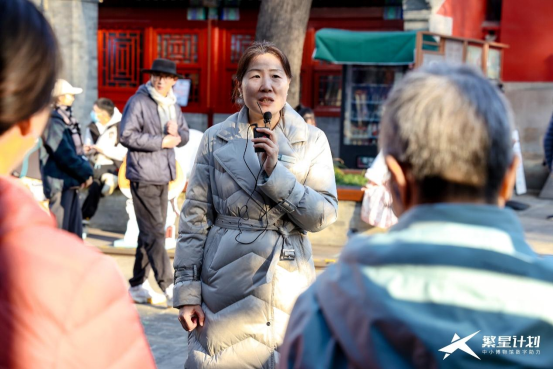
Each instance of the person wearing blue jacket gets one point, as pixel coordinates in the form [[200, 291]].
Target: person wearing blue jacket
[[64, 167], [453, 284]]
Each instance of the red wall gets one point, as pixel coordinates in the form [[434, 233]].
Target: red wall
[[527, 28], [467, 17]]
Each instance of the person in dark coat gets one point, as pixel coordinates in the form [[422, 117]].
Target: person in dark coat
[[151, 127], [64, 167]]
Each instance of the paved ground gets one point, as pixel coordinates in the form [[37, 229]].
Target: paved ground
[[169, 341], [538, 228], [166, 337]]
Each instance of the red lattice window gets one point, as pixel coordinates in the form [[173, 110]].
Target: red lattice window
[[181, 48], [239, 43], [121, 59]]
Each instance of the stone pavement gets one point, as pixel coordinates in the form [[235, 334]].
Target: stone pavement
[[537, 227], [165, 335], [169, 341]]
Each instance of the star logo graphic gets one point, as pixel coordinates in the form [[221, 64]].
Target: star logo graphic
[[459, 344]]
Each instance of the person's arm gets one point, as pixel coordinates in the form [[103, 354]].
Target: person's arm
[[62, 150], [309, 342], [132, 135], [88, 137], [102, 327], [312, 205], [117, 152], [183, 130], [197, 216]]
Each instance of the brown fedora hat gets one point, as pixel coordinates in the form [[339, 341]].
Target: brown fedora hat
[[163, 66]]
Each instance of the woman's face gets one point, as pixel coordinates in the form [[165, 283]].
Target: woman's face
[[265, 83]]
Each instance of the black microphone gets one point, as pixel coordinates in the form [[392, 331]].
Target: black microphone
[[267, 117]]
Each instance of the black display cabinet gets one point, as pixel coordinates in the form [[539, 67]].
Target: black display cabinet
[[365, 88]]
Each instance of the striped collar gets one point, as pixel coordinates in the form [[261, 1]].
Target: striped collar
[[474, 225]]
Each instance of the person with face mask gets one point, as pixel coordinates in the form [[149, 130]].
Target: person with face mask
[[64, 167], [105, 153], [62, 303]]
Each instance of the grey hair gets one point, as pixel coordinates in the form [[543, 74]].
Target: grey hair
[[449, 123]]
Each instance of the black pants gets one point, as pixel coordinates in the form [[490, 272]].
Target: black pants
[[90, 205], [150, 203], [67, 210]]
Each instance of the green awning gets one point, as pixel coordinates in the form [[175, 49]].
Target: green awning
[[350, 47]]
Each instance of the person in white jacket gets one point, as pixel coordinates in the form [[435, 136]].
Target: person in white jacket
[[105, 153]]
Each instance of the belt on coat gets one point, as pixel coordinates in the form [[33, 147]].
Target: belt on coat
[[285, 230]]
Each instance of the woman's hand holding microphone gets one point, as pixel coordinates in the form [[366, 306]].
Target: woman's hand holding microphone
[[271, 148]]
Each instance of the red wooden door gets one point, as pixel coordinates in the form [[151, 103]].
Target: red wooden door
[[122, 54], [120, 60], [188, 48]]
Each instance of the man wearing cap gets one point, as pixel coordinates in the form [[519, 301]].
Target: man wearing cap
[[151, 127], [63, 164]]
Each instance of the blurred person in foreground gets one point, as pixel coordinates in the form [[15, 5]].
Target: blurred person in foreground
[[62, 304], [455, 275], [63, 164]]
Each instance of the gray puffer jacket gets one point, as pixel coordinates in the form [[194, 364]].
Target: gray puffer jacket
[[247, 260], [142, 134]]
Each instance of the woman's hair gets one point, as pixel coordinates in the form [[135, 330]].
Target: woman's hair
[[256, 49], [29, 62]]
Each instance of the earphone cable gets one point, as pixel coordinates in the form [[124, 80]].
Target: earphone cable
[[251, 197]]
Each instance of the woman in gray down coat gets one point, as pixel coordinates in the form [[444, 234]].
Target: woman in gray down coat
[[243, 256]]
